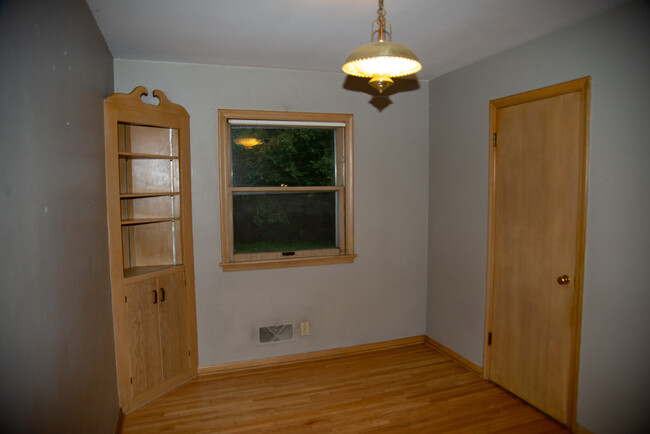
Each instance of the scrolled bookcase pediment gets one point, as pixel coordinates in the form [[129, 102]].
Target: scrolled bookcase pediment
[[134, 100]]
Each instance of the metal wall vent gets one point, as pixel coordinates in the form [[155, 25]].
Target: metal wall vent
[[275, 333]]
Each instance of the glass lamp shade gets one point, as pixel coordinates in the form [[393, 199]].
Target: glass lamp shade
[[382, 58]]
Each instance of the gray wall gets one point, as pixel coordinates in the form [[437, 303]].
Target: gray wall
[[381, 296], [613, 48], [57, 365]]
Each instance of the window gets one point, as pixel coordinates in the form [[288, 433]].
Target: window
[[286, 189]]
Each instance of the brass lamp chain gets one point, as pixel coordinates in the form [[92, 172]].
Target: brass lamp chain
[[379, 26]]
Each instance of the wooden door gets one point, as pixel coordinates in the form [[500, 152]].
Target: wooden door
[[144, 335], [537, 208], [173, 325]]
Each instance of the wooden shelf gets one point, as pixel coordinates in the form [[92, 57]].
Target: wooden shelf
[[135, 156], [138, 271], [148, 221], [143, 195]]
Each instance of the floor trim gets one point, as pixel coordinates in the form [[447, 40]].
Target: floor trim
[[120, 422], [581, 430], [315, 355], [454, 356]]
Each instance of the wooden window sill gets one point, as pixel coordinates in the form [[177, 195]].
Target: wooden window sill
[[286, 263]]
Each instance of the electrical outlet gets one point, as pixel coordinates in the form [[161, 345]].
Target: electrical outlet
[[304, 328]]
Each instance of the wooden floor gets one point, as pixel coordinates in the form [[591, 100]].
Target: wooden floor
[[407, 389]]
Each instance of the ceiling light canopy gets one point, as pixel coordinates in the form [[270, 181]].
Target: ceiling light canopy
[[382, 58]]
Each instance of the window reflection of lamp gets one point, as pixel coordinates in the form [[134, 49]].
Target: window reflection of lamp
[[248, 142]]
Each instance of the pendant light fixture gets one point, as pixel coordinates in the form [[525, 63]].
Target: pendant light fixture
[[382, 58]]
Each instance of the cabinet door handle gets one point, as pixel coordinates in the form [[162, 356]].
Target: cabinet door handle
[[162, 294], [155, 296]]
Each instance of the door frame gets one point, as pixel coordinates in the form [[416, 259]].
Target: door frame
[[582, 85]]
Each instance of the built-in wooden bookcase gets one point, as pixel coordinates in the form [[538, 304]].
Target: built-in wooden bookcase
[[150, 240]]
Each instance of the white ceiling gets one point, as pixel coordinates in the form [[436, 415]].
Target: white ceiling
[[317, 35]]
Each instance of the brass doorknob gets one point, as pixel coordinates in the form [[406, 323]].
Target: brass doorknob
[[563, 280]]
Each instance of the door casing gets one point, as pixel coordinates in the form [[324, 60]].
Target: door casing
[[579, 85]]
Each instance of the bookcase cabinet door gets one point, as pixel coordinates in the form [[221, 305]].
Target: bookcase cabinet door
[[158, 330], [144, 336], [173, 325]]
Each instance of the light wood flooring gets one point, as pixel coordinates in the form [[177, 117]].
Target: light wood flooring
[[406, 389]]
